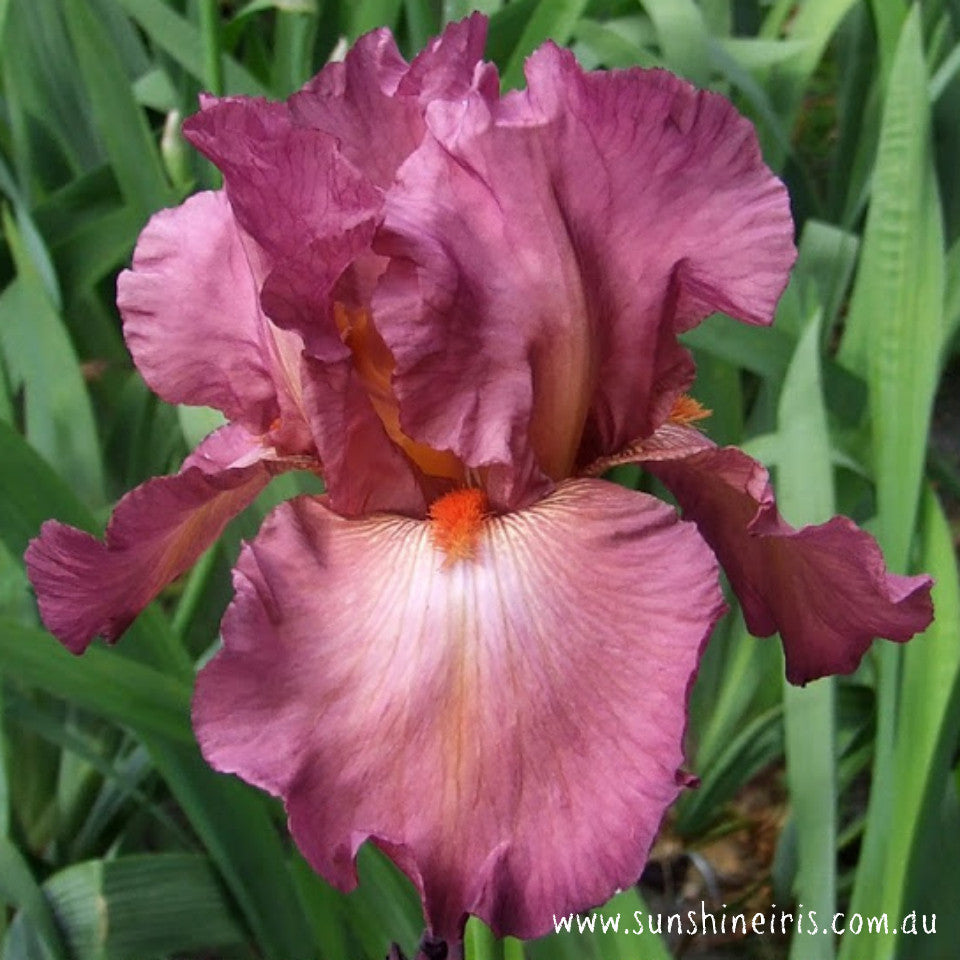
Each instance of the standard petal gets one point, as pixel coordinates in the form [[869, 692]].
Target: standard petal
[[508, 727], [587, 220], [483, 305], [191, 313], [289, 185], [373, 101], [678, 217], [86, 587], [824, 588]]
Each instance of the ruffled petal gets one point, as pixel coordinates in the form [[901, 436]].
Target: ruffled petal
[[674, 216], [824, 588], [289, 185], [303, 257], [192, 316], [508, 727], [483, 306], [372, 102], [86, 587], [567, 234], [364, 470], [312, 216]]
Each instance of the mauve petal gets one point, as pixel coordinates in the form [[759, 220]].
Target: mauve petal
[[372, 102], [825, 588], [191, 313], [678, 181], [508, 728], [312, 215], [483, 305], [288, 185], [566, 234], [86, 587], [673, 214], [364, 470], [450, 65]]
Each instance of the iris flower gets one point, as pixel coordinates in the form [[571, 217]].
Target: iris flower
[[459, 308]]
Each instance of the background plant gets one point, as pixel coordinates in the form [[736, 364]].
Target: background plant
[[116, 841]]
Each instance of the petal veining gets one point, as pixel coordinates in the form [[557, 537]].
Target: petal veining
[[508, 727], [191, 313], [289, 185], [547, 248], [88, 587], [373, 101], [825, 588]]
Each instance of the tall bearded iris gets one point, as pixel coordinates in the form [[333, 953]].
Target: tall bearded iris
[[459, 309]]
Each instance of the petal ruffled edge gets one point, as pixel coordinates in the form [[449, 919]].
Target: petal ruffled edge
[[600, 275], [824, 588], [707, 202], [706, 227], [289, 186], [508, 729], [86, 587], [375, 98], [191, 313]]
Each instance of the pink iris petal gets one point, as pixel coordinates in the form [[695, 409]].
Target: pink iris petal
[[373, 101], [824, 588], [86, 587], [373, 105], [451, 64], [364, 470], [549, 247], [192, 316], [508, 727], [482, 282], [312, 214], [289, 186]]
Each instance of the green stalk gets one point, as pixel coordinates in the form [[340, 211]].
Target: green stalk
[[212, 58], [806, 496]]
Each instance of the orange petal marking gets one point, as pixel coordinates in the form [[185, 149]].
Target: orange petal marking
[[373, 362], [456, 520], [686, 410]]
